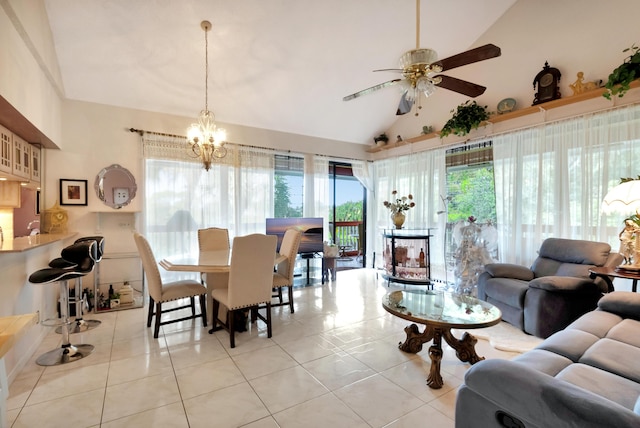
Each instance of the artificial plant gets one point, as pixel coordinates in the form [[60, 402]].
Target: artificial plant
[[620, 79], [466, 116]]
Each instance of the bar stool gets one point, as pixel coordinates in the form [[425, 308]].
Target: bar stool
[[82, 255], [81, 324]]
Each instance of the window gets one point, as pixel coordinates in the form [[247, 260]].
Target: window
[[288, 186]]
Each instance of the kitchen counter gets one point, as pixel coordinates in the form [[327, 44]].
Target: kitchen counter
[[26, 243]]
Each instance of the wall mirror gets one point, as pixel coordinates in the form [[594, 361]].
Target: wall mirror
[[115, 186]]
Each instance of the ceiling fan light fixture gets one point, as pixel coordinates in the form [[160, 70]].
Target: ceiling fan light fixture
[[418, 56]]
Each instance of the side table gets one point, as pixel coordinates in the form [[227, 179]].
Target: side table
[[607, 273]]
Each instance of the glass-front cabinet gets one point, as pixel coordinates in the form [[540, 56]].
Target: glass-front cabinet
[[407, 256]]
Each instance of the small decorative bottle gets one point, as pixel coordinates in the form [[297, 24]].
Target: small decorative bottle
[[421, 258]]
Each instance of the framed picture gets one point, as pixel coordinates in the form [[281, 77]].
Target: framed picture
[[73, 192]]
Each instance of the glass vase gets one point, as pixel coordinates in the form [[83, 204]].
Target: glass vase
[[398, 219]]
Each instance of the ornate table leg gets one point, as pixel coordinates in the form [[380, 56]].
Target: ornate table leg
[[465, 348], [415, 339], [434, 380]]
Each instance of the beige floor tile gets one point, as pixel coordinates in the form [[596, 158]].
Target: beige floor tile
[[378, 400], [287, 388], [79, 410], [207, 377], [69, 382], [423, 416], [324, 411], [263, 361], [338, 370], [171, 415], [148, 393], [229, 407], [139, 366]]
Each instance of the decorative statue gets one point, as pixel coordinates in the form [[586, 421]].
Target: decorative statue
[[579, 86], [628, 241], [473, 251]]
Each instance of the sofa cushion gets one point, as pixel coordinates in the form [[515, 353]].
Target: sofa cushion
[[627, 331], [571, 344], [598, 323], [507, 290], [615, 357], [544, 361], [608, 385], [564, 284], [575, 251], [623, 303], [508, 270]]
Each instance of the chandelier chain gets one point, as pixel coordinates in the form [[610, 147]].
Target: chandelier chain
[[206, 70]]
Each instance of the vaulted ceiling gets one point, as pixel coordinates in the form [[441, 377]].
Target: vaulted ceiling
[[281, 65]]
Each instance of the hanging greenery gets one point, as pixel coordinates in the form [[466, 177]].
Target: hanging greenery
[[466, 116], [621, 77]]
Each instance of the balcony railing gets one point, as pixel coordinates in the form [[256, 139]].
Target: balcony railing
[[348, 234]]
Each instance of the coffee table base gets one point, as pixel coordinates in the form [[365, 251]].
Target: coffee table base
[[465, 348]]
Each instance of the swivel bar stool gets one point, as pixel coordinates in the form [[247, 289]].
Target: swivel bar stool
[[81, 324], [82, 255]]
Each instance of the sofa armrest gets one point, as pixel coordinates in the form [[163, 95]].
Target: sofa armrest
[[540, 400], [508, 270], [623, 303], [563, 284]]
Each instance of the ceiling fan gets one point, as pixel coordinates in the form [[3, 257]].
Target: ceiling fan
[[420, 68]]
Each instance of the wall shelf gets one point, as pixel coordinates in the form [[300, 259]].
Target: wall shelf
[[497, 118]]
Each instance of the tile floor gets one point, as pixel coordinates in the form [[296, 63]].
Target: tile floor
[[333, 363]]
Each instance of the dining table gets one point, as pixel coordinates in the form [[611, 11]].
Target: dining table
[[210, 261]]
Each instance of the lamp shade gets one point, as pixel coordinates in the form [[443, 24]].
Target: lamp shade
[[623, 199]]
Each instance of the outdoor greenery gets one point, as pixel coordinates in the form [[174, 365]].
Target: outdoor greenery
[[471, 192], [282, 200], [623, 75]]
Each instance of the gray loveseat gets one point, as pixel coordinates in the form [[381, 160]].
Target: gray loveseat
[[587, 375], [556, 289]]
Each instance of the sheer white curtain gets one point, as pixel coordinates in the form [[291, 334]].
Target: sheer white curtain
[[181, 197], [424, 176], [316, 189], [550, 180]]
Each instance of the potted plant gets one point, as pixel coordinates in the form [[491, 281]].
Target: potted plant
[[623, 75], [381, 139], [466, 116]]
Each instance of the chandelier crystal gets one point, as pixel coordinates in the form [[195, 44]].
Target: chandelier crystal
[[205, 139]]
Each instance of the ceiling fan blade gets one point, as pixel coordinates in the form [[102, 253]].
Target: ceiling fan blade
[[405, 105], [371, 89], [469, 57], [399, 70], [461, 86]]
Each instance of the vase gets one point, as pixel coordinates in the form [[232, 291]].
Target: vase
[[398, 219]]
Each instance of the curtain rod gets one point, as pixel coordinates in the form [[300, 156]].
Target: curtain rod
[[141, 132]]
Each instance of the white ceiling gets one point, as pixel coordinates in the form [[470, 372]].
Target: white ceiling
[[275, 64]]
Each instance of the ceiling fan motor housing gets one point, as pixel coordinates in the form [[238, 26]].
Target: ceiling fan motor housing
[[418, 56]]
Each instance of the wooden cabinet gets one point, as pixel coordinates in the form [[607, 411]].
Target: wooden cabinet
[[36, 166], [6, 147], [10, 194], [21, 158]]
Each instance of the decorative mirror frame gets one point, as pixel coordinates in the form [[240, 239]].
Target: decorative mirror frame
[[115, 186]]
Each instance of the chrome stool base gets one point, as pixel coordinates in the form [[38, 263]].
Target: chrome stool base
[[80, 326], [64, 355]]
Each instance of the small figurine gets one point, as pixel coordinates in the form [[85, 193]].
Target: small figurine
[[628, 242], [399, 139], [579, 86]]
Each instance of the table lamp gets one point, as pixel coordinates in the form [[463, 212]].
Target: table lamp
[[624, 199]]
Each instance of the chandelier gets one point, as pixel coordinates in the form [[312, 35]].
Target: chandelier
[[205, 139]]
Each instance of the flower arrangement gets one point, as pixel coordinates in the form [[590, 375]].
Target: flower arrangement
[[401, 203]]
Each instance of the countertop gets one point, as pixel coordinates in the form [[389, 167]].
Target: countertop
[[26, 243]]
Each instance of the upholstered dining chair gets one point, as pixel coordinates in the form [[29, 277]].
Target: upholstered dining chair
[[160, 293], [283, 277], [212, 239], [250, 280]]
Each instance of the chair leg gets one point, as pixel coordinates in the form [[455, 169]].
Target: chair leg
[[232, 330], [268, 319], [214, 316], [280, 294], [193, 306], [156, 330], [291, 298], [203, 309], [151, 306]]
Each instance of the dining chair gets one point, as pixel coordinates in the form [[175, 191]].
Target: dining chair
[[250, 280], [211, 239], [283, 277], [160, 292]]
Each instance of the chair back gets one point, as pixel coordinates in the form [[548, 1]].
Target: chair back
[[251, 271], [213, 238], [82, 254], [289, 248], [150, 266], [99, 247]]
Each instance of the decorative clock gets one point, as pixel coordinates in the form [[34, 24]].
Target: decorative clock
[[546, 83], [55, 219]]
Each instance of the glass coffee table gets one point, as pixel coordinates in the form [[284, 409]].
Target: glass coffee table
[[440, 312]]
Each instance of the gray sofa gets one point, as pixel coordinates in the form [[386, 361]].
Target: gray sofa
[[587, 375], [554, 291]]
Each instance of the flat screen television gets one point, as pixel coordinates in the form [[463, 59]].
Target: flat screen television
[[311, 227]]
